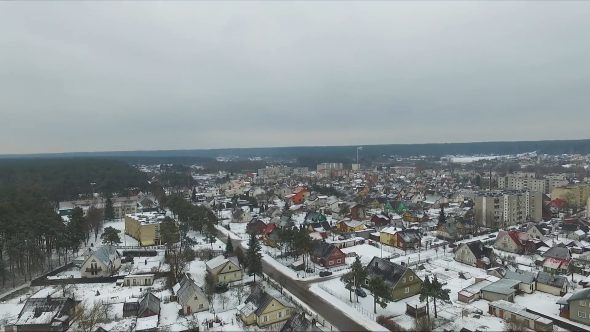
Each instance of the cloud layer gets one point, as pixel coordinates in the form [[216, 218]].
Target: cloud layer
[[96, 76]]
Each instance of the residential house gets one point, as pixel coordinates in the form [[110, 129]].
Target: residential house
[[535, 231], [473, 292], [255, 226], [298, 323], [130, 308], [313, 217], [327, 255], [299, 195], [138, 280], [514, 241], [267, 234], [149, 306], [514, 312], [190, 296], [103, 262], [400, 238], [358, 212], [379, 220], [402, 280], [45, 314], [224, 270], [552, 284], [503, 289], [527, 280], [557, 260], [475, 254], [263, 309], [578, 306], [348, 226], [398, 207]]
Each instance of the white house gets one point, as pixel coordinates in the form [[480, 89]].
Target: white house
[[190, 296], [103, 262]]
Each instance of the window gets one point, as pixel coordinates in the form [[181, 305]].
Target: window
[[331, 263], [583, 303], [280, 314], [366, 281], [406, 290], [265, 318], [411, 278], [200, 305], [147, 282], [339, 260], [581, 314]]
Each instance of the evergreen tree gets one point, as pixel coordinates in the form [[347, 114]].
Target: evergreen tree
[[426, 293], [109, 210], [358, 271], [253, 256], [438, 293], [169, 234], [229, 247], [380, 291], [110, 235], [442, 218]]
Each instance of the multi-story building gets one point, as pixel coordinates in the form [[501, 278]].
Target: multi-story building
[[144, 227], [498, 209], [331, 169], [523, 182], [576, 195]]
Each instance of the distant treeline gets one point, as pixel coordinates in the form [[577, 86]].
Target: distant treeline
[[65, 178], [310, 155]]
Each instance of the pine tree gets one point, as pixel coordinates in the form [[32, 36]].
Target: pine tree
[[109, 211], [229, 247], [380, 292], [111, 236], [253, 256], [169, 234], [438, 293], [426, 293], [442, 218]]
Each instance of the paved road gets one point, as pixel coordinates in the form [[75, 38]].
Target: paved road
[[300, 289]]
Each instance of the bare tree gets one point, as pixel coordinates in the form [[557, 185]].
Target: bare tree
[[89, 317]]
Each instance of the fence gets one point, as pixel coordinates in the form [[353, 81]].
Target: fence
[[346, 300]]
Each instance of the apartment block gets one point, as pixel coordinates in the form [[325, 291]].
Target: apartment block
[[576, 195], [519, 182], [498, 209], [144, 227]]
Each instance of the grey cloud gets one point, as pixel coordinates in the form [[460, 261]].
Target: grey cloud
[[79, 76]]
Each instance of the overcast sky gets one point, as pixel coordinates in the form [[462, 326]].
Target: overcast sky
[[101, 76]]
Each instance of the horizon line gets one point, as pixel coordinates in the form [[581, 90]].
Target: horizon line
[[4, 155]]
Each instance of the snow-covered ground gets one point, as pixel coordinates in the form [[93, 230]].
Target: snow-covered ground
[[450, 315], [119, 224]]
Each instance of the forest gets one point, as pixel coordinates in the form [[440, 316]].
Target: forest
[[311, 155], [66, 178], [33, 237]]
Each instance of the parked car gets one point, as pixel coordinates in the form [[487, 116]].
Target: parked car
[[325, 273], [360, 292]]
